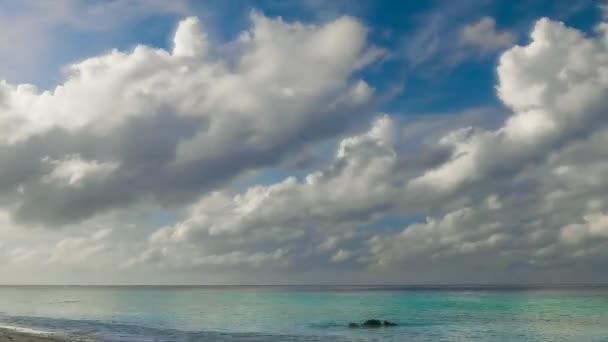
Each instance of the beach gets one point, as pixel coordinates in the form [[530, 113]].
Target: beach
[[10, 335]]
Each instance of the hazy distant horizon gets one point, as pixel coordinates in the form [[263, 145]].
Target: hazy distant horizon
[[371, 287]]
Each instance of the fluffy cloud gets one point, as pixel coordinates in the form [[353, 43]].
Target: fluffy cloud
[[483, 35], [164, 126], [555, 86], [595, 225], [458, 232], [341, 256], [521, 202], [36, 253], [296, 213], [532, 188], [80, 250], [73, 170]]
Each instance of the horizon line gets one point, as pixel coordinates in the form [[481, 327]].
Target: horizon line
[[425, 285]]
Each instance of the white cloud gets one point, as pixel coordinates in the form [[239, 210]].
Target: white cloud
[[341, 256], [189, 40], [484, 36], [595, 225], [523, 201], [73, 170], [493, 202], [502, 203], [80, 250], [347, 193], [237, 258], [455, 233], [555, 87], [172, 124]]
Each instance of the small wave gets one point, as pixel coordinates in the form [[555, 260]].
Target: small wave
[[39, 332], [26, 330], [94, 331], [328, 325]]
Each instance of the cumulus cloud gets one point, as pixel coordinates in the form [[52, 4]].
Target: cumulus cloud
[[484, 36], [523, 182], [295, 212], [73, 170], [522, 200], [189, 40], [81, 249], [341, 256], [151, 124], [595, 225], [455, 233], [37, 255], [517, 203], [555, 87]]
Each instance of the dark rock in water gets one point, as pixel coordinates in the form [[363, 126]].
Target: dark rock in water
[[372, 323]]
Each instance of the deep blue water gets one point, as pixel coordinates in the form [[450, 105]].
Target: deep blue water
[[311, 313]]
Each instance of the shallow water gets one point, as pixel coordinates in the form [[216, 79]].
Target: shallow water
[[311, 313]]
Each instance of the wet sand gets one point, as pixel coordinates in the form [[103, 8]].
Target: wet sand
[[7, 335]]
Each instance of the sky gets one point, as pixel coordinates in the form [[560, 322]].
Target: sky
[[303, 142]]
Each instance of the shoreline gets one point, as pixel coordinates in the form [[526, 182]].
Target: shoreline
[[26, 335]]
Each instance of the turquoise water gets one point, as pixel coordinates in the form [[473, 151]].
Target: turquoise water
[[310, 313]]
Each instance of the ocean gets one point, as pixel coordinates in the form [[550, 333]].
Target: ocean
[[310, 313]]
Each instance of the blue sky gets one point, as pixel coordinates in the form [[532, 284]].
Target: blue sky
[[433, 84], [394, 141]]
